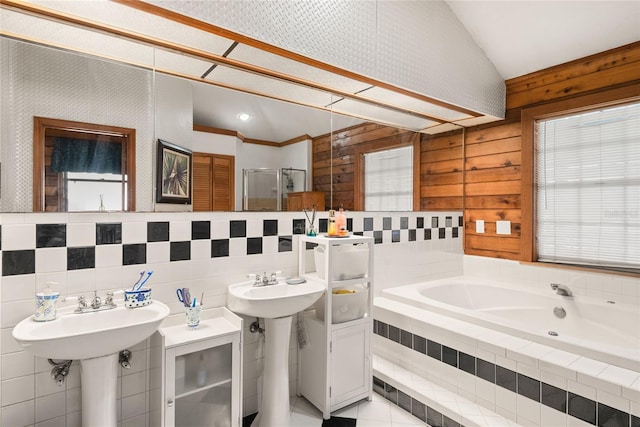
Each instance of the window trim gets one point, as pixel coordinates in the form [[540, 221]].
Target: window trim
[[620, 95], [41, 125], [372, 147]]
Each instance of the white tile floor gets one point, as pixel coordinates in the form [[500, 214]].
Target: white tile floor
[[377, 413]]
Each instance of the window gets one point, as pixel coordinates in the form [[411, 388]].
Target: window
[[388, 180], [587, 197], [387, 174]]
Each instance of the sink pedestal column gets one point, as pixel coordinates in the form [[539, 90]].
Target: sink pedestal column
[[98, 379], [274, 408]]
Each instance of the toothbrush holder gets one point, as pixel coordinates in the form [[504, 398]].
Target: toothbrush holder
[[137, 298]]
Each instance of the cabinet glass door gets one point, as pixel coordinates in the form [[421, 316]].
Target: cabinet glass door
[[203, 387]]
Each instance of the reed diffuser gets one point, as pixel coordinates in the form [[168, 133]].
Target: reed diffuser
[[311, 230]]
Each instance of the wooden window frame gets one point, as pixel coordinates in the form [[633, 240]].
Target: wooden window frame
[[620, 95], [372, 147], [40, 127]]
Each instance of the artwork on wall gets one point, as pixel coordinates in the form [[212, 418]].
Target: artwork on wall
[[173, 174]]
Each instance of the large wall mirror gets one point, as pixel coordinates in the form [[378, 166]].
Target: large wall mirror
[[119, 98]]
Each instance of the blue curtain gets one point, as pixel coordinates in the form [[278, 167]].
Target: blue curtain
[[81, 155]]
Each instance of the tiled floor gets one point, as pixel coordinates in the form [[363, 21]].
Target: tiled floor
[[377, 413]]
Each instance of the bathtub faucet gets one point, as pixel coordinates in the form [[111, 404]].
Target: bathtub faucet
[[561, 290]]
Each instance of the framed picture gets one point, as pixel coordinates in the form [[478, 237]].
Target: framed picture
[[173, 174]]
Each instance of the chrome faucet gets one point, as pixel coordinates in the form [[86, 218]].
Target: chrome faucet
[[96, 302], [561, 289], [265, 280]]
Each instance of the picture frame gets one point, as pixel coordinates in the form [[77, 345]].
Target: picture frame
[[173, 174]]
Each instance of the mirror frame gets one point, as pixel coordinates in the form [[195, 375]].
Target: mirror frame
[[40, 127]]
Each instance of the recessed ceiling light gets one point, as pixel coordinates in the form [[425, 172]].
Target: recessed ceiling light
[[244, 116]]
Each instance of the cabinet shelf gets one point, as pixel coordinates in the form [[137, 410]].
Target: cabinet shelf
[[335, 284], [189, 387]]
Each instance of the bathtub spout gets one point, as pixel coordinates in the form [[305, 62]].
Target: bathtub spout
[[561, 289]]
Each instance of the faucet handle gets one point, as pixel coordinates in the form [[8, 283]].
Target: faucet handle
[[256, 278]]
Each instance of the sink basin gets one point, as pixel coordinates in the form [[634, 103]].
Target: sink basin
[[73, 336], [272, 301]]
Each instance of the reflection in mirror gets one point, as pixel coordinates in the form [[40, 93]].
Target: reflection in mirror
[[88, 89], [82, 167]]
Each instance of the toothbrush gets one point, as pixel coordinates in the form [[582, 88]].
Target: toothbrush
[[193, 304], [201, 298], [138, 287], [138, 281]]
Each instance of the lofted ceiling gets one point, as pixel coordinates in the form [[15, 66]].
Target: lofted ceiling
[[521, 37], [518, 37]]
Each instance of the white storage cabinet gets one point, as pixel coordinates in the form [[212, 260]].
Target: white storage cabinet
[[335, 370], [200, 371]]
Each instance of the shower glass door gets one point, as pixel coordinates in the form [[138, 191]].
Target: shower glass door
[[261, 189]]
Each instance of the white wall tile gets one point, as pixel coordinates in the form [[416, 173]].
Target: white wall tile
[[158, 252], [50, 406], [13, 312], [20, 414], [108, 256], [18, 237], [17, 364], [54, 422], [528, 409], [133, 405], [238, 248], [17, 390], [81, 234], [134, 232], [74, 401], [551, 417], [179, 231], [133, 384], [201, 249], [81, 282], [109, 279], [9, 345], [19, 287], [51, 260]]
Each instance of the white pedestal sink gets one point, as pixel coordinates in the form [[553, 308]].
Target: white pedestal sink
[[95, 339], [276, 304]]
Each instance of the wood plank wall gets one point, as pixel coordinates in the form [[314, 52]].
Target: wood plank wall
[[441, 176], [344, 143], [492, 189]]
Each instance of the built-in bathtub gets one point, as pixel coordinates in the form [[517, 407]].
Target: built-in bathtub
[[462, 346], [604, 331]]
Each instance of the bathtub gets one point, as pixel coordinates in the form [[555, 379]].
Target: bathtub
[[596, 329]]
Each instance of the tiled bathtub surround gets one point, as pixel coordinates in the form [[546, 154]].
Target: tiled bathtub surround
[[606, 287], [206, 252], [527, 383]]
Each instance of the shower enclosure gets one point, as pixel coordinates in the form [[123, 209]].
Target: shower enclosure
[[267, 189]]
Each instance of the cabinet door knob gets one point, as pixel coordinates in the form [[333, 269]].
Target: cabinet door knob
[[170, 403]]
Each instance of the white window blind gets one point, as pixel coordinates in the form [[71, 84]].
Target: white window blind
[[388, 180], [588, 188]]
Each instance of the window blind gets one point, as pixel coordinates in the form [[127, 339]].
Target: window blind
[[388, 180], [588, 188]]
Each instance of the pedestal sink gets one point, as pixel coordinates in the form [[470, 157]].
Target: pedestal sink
[[95, 339], [276, 304]]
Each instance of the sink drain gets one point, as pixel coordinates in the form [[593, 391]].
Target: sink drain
[[553, 333]]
